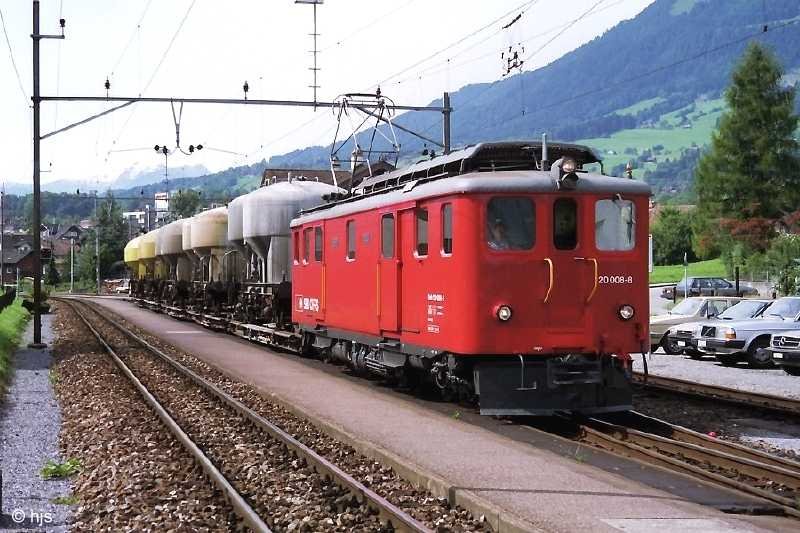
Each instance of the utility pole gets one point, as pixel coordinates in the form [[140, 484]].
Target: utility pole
[[37, 222], [96, 243], [2, 238], [315, 51], [446, 123], [71, 264]]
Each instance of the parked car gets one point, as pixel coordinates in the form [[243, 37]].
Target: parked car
[[748, 340], [692, 308], [785, 350], [707, 286], [680, 336]]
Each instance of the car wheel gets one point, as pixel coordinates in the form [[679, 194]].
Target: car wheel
[[757, 356], [670, 347], [792, 370], [728, 359]]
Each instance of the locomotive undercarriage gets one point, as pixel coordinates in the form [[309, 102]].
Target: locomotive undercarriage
[[512, 385]]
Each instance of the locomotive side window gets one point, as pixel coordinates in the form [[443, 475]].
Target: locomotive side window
[[306, 244], [318, 243], [387, 236], [614, 225], [296, 246], [510, 223], [447, 229], [422, 232], [565, 224], [351, 239]]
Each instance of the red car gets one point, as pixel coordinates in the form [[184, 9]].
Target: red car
[[478, 270]]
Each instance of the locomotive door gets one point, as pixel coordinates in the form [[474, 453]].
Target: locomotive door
[[572, 274], [388, 275]]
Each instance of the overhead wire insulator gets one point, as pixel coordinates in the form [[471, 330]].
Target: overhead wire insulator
[[246, 88], [107, 85]]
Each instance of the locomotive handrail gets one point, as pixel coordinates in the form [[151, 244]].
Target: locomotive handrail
[[550, 286], [596, 281]]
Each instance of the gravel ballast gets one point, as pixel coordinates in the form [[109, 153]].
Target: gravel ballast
[[134, 475], [435, 512]]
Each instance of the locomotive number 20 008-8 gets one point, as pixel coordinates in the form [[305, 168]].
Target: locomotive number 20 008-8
[[615, 280]]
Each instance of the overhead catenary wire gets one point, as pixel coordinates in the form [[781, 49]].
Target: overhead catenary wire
[[155, 71], [133, 36], [13, 62], [457, 42]]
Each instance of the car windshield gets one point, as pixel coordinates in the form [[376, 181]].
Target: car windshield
[[786, 308], [687, 307], [743, 309]]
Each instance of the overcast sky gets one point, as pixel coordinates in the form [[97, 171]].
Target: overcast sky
[[222, 44]]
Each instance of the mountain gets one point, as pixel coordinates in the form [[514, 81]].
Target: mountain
[[131, 177], [651, 71]]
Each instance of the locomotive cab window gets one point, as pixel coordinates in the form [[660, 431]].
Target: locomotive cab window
[[318, 243], [565, 224], [306, 244], [447, 229], [296, 247], [422, 232], [351, 239], [510, 223], [387, 236], [614, 225]]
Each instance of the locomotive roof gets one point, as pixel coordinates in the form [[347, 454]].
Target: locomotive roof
[[510, 181], [505, 155]]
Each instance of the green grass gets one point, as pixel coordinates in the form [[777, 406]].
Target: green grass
[[639, 106], [674, 273], [53, 470], [669, 133], [12, 324], [65, 500]]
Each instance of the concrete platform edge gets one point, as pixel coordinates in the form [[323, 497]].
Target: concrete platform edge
[[501, 520]]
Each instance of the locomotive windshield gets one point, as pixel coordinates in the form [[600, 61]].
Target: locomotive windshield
[[510, 223], [614, 225]]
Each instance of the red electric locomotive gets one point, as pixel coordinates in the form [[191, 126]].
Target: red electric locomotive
[[487, 270]]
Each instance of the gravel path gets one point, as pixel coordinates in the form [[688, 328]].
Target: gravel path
[[29, 425], [708, 370], [134, 475]]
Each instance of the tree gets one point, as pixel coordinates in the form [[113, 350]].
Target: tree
[[53, 277], [783, 258], [112, 236], [185, 203], [672, 237], [751, 175]]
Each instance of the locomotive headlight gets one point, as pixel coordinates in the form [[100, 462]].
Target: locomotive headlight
[[504, 313], [626, 312]]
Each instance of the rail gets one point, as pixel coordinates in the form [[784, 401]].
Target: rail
[[399, 519], [769, 402], [676, 448], [243, 509]]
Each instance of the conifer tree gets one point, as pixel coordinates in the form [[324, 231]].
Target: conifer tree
[[750, 177]]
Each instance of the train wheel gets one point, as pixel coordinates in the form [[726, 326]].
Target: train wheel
[[758, 356]]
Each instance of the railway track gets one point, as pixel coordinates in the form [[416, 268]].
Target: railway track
[[140, 362], [777, 404], [772, 480]]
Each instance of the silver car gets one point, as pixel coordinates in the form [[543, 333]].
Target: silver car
[[748, 340], [692, 308], [681, 336], [785, 349]]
